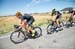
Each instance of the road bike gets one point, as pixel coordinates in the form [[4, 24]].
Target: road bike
[[21, 35], [69, 23], [51, 28]]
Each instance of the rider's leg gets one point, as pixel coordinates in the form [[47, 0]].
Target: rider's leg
[[58, 24], [31, 30], [55, 23], [74, 18], [28, 27], [54, 20]]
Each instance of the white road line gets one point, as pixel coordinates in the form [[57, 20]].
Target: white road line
[[5, 36]]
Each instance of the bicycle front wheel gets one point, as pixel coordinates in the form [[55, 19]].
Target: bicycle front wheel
[[17, 37], [50, 29]]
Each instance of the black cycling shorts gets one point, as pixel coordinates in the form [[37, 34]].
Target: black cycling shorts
[[57, 17], [30, 22]]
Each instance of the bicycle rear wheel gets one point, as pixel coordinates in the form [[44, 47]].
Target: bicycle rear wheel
[[17, 37], [68, 24], [38, 32]]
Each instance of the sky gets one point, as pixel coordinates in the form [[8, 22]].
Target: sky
[[10, 7]]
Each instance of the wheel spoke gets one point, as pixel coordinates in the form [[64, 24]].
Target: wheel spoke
[[17, 37], [50, 29], [38, 31]]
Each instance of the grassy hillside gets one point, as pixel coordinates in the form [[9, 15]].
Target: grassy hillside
[[6, 23]]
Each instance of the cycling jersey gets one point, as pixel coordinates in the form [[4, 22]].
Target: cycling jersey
[[29, 18], [58, 14]]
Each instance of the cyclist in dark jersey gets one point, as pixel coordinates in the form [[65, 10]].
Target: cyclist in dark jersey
[[56, 16], [26, 22], [72, 12]]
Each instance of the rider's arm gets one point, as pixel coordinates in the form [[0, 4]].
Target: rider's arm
[[54, 17], [21, 25], [56, 14]]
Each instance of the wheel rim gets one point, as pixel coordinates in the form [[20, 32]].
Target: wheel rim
[[38, 32], [16, 37], [67, 24], [49, 29]]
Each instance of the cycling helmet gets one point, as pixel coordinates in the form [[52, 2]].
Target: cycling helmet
[[18, 14]]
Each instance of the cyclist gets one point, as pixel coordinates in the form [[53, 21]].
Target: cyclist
[[56, 16], [26, 22], [72, 17]]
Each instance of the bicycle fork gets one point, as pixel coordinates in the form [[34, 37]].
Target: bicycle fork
[[18, 34]]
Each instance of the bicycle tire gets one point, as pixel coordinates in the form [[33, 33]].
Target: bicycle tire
[[50, 29], [38, 33], [14, 33]]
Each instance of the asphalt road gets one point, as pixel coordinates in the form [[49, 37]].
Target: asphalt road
[[61, 40]]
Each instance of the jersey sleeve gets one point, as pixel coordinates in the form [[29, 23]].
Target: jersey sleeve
[[22, 18]]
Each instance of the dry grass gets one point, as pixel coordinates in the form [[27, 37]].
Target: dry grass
[[41, 19], [6, 24]]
